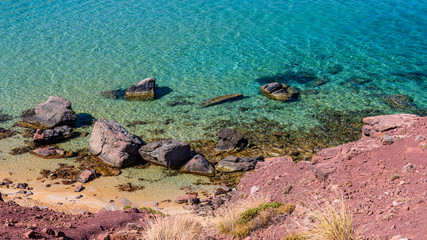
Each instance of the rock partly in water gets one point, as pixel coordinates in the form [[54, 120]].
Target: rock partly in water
[[142, 90], [280, 92], [235, 164], [199, 165], [50, 152], [55, 111], [113, 144], [221, 99], [168, 153], [86, 176], [49, 136], [230, 140]]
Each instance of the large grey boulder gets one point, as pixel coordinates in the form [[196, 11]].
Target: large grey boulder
[[280, 92], [169, 153], [230, 140], [55, 111], [113, 144], [199, 165], [235, 164], [142, 90]]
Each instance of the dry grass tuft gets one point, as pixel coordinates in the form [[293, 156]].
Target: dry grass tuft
[[228, 218], [177, 227], [331, 222]]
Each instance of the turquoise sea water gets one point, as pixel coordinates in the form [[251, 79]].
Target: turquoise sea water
[[202, 49]]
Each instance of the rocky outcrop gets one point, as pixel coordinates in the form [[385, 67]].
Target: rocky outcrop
[[55, 111], [235, 164], [168, 153], [280, 92], [230, 140], [142, 90], [199, 165], [113, 144], [49, 136], [221, 99]]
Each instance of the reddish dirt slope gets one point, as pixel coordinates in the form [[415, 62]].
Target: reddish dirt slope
[[19, 222], [386, 198]]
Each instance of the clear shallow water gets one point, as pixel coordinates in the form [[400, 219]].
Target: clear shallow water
[[202, 49]]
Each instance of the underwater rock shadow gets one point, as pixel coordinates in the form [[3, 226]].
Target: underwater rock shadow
[[84, 119], [289, 76], [162, 91]]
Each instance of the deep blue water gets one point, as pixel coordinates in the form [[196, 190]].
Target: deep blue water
[[202, 49]]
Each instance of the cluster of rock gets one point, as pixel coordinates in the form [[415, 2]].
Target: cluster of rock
[[280, 92], [54, 121], [115, 146]]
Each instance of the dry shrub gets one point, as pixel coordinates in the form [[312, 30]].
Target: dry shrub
[[228, 218], [177, 227], [331, 221]]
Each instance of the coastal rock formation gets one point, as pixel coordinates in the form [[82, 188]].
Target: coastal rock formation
[[199, 165], [280, 92], [142, 90], [230, 140], [379, 183], [113, 144], [235, 164], [55, 111], [48, 136], [221, 99], [168, 153]]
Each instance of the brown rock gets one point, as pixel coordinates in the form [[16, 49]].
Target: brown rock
[[113, 144], [79, 188], [31, 234], [280, 92], [49, 152], [199, 165], [230, 140], [48, 136], [185, 198], [142, 90], [54, 112], [86, 176]]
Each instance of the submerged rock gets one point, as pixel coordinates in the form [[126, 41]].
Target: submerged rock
[[235, 164], [50, 152], [48, 136], [230, 140], [142, 90], [113, 144], [199, 165], [280, 92], [399, 101], [55, 111], [168, 153], [116, 94], [221, 99]]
